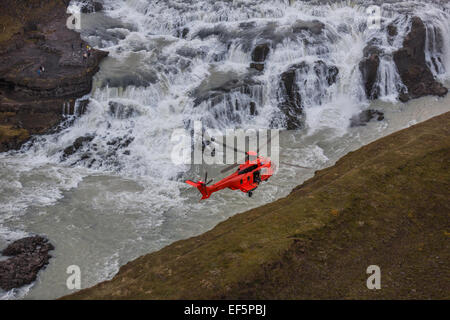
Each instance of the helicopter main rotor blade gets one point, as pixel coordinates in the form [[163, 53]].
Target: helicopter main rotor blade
[[246, 157], [268, 141], [227, 146], [210, 181], [232, 148], [234, 165], [294, 165]]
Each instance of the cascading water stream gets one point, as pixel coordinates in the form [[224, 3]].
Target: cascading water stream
[[116, 194]]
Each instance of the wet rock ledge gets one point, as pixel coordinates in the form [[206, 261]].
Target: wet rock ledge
[[27, 257], [410, 61], [34, 34]]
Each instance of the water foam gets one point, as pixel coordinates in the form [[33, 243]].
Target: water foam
[[164, 57]]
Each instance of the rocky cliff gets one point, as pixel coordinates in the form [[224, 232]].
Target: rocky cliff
[[34, 34], [386, 204], [409, 60]]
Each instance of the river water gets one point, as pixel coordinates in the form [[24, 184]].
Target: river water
[[111, 201]]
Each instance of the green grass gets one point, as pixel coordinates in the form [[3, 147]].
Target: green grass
[[385, 204]]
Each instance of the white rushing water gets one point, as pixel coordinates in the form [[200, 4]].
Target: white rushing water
[[171, 62]]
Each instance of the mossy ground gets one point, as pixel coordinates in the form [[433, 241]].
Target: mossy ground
[[386, 204], [8, 27], [9, 133]]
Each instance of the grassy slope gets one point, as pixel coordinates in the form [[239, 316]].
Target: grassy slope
[[385, 204]]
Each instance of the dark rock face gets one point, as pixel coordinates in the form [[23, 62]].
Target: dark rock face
[[291, 100], [82, 106], [77, 144], [32, 103], [392, 30], [182, 33], [412, 67], [257, 66], [218, 94], [28, 256], [410, 62], [315, 26], [91, 6], [259, 55], [121, 111], [366, 116], [369, 69], [223, 102]]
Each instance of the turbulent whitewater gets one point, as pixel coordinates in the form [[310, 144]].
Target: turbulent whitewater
[[104, 189]]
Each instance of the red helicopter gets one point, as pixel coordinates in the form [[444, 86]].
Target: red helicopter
[[246, 178]]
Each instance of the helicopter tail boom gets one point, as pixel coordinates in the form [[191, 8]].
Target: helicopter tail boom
[[201, 186]]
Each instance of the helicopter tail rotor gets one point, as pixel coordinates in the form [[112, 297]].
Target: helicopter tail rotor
[[202, 187]]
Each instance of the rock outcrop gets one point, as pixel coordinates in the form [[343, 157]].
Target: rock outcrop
[[31, 101], [362, 118], [291, 105], [369, 69], [410, 61], [315, 27], [224, 94], [259, 55], [291, 100], [91, 6], [76, 145], [27, 257], [412, 67]]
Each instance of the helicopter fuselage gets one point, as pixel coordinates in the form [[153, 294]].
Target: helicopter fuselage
[[246, 178]]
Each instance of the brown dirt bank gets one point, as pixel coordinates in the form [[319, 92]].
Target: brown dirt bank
[[386, 204], [34, 34]]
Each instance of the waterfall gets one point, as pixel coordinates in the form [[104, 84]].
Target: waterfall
[[104, 187], [172, 62]]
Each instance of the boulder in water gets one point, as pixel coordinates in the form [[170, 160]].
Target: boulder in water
[[369, 70], [259, 55], [27, 257], [362, 118], [315, 26], [183, 33], [77, 144], [392, 30], [291, 104], [329, 73], [260, 52], [120, 142], [257, 66]]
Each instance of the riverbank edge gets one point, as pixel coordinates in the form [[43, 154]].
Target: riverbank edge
[[385, 204]]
